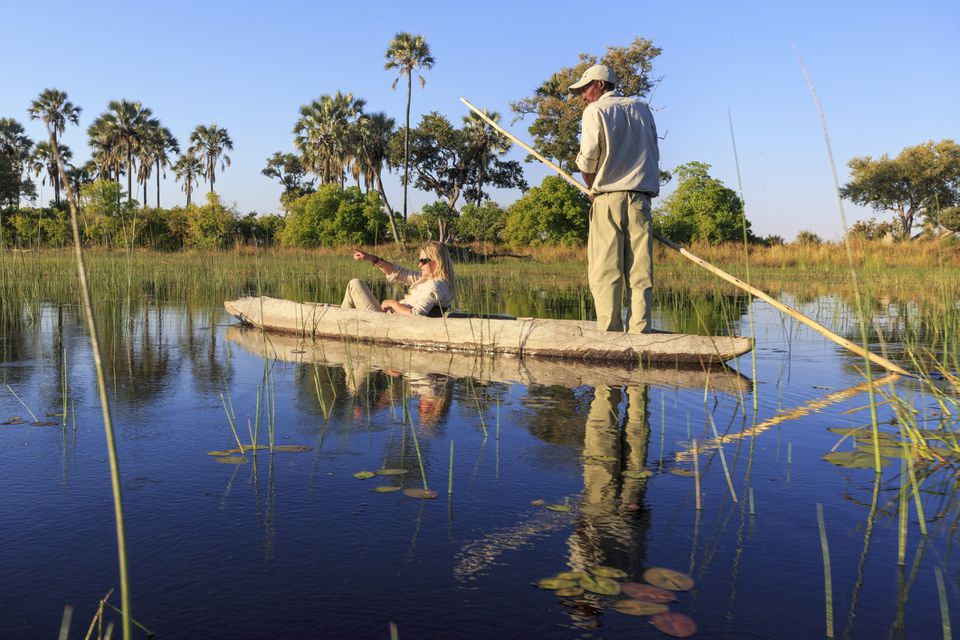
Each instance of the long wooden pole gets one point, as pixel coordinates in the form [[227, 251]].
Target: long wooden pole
[[790, 311]]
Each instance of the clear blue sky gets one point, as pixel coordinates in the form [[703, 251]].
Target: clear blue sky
[[886, 72]]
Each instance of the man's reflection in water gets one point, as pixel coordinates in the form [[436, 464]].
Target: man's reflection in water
[[612, 525]]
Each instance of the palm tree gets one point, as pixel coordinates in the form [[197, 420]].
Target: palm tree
[[122, 131], [187, 169], [323, 134], [43, 160], [16, 146], [406, 53], [208, 143], [156, 144], [375, 131], [55, 110]]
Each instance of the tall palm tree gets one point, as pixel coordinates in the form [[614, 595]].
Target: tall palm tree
[[123, 130], [157, 143], [16, 146], [375, 132], [323, 134], [187, 169], [56, 111], [406, 53], [209, 144]]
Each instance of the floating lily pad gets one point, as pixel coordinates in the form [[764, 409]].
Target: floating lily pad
[[292, 448], [680, 471], [391, 472], [55, 415], [558, 507], [11, 421], [538, 502], [674, 624], [853, 459], [571, 575], [386, 489], [232, 460], [639, 608], [44, 423], [647, 592], [668, 579], [638, 475], [555, 583], [608, 572], [363, 475], [845, 431], [603, 586], [422, 494], [569, 592], [884, 437]]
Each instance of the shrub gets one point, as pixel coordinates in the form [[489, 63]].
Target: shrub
[[553, 213], [211, 226], [808, 237], [334, 216]]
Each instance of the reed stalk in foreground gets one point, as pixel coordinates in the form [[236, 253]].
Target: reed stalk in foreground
[[827, 581], [102, 391]]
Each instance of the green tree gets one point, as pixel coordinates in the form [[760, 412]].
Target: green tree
[[921, 180], [808, 238], [15, 147], [950, 219], [211, 226], [53, 108], [405, 54], [701, 208], [553, 213], [209, 143], [481, 223], [448, 163], [324, 135], [43, 160], [556, 115], [375, 131], [332, 217], [187, 169], [289, 171], [107, 220], [118, 135], [158, 144]]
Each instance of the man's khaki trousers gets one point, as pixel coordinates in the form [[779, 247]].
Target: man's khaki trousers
[[620, 250]]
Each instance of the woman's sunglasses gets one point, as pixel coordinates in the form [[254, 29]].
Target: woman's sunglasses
[[425, 260]]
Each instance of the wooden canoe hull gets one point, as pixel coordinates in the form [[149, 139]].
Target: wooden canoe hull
[[481, 367], [569, 339]]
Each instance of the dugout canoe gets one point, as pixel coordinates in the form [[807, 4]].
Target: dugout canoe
[[484, 368], [521, 337]]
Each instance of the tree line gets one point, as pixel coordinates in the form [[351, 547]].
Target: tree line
[[333, 184]]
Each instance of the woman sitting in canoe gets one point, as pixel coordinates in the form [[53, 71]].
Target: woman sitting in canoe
[[434, 285]]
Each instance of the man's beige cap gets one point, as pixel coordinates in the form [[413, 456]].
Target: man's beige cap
[[596, 72]]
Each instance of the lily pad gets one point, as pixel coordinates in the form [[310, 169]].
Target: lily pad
[[675, 624], [221, 453], [12, 421], [639, 607], [555, 583], [647, 592], [608, 572], [668, 579], [680, 471], [569, 592], [386, 489], [603, 586], [44, 423], [292, 448], [538, 502], [638, 475], [422, 494], [363, 475], [853, 459], [391, 472], [571, 575], [232, 460]]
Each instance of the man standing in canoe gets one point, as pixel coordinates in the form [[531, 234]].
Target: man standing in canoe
[[619, 160]]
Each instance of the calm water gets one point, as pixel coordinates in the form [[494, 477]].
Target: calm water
[[292, 545]]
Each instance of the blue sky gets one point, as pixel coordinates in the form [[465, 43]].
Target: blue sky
[[886, 73]]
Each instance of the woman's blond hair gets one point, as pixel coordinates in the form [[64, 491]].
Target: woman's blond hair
[[444, 267]]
